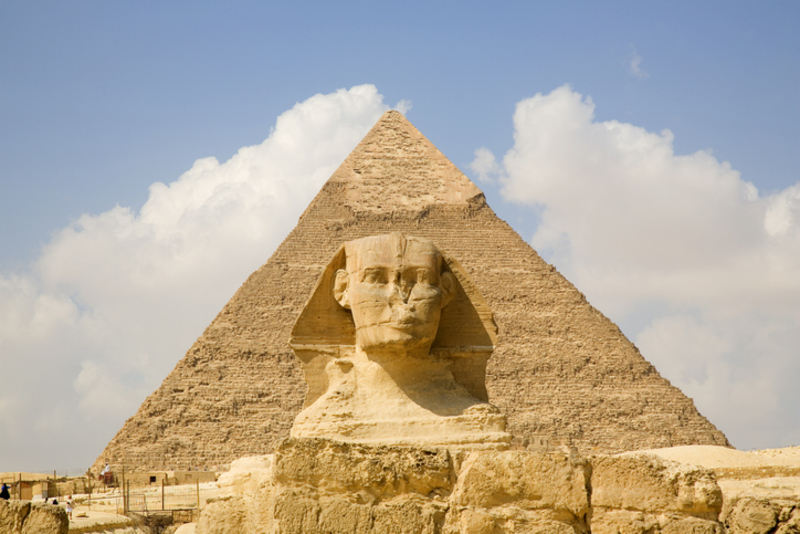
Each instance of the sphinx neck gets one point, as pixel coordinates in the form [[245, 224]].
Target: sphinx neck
[[402, 367]]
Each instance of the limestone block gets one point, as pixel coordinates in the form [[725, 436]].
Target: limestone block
[[632, 522], [508, 520], [12, 515], [520, 491], [408, 514], [246, 475], [46, 519], [325, 487], [648, 484], [298, 514], [380, 472], [642, 494], [761, 515], [23, 517], [225, 515], [529, 480], [622, 522], [261, 504]]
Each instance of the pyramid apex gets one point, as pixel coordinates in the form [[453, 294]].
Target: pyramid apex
[[396, 168]]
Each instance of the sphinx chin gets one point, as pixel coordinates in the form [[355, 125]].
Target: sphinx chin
[[403, 335]]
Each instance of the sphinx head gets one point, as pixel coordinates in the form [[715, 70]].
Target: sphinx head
[[396, 288]]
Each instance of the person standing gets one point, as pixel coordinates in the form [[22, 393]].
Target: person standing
[[4, 493], [70, 505]]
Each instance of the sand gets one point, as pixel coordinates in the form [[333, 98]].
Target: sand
[[712, 457], [772, 473]]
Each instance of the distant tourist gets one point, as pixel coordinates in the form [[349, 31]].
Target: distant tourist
[[70, 506], [4, 493]]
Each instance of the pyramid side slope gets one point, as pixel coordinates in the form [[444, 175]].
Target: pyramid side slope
[[396, 168], [562, 371]]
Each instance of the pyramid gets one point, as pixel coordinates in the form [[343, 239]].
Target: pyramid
[[562, 372]]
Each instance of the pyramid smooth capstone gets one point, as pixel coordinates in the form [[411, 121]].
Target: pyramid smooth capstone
[[562, 372]]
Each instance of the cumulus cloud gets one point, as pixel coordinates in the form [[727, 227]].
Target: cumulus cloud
[[115, 299], [485, 165], [697, 266]]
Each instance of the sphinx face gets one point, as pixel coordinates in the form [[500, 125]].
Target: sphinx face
[[396, 290]]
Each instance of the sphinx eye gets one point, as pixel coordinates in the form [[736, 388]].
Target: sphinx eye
[[374, 276], [423, 276]]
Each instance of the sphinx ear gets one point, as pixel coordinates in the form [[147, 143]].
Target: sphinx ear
[[448, 282], [340, 289]]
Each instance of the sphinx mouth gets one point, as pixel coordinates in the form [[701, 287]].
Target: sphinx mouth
[[405, 323]]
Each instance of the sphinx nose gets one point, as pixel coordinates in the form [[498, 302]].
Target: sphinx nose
[[402, 289]]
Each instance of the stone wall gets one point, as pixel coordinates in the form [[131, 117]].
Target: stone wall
[[24, 517], [320, 486]]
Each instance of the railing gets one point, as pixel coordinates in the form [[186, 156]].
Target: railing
[[165, 498]]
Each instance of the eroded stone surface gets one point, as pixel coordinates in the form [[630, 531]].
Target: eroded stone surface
[[520, 491], [643, 494], [761, 515], [46, 519], [375, 472], [384, 385], [246, 475], [24, 517], [322, 486]]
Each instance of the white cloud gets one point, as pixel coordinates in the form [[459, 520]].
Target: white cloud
[[634, 64], [404, 106], [485, 166], [115, 299], [679, 243]]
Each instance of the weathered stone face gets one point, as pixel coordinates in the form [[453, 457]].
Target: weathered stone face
[[389, 387], [396, 290]]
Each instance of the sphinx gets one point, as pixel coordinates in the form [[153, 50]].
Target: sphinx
[[394, 343]]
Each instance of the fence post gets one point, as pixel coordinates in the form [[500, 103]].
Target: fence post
[[162, 494], [198, 495]]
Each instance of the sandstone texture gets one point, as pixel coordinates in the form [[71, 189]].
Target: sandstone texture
[[323, 486], [561, 372], [641, 494], [379, 366], [246, 475], [520, 491], [761, 489], [759, 515], [24, 517]]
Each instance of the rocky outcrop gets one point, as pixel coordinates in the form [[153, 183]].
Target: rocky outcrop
[[325, 486], [24, 517], [644, 494], [761, 515], [321, 486], [517, 491]]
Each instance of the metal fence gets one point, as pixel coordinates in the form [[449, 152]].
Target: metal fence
[[165, 498]]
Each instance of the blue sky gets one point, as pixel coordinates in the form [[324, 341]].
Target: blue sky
[[99, 100]]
